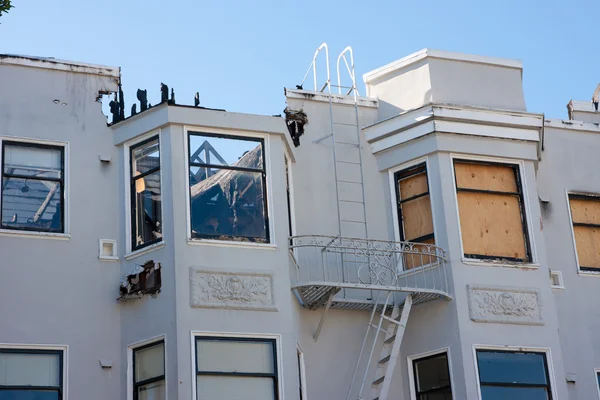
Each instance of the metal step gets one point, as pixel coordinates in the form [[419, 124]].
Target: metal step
[[390, 340], [384, 360]]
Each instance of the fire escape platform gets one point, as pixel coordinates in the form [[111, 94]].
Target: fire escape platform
[[347, 273]]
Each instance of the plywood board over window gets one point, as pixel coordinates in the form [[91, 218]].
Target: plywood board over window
[[585, 214], [491, 211], [414, 213]]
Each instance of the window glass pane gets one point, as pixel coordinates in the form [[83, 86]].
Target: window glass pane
[[234, 388], [505, 367], [444, 394], [152, 391], [31, 204], [149, 362], [12, 394], [512, 393], [148, 218], [22, 369], [232, 356], [432, 373], [500, 178], [33, 161], [228, 203], [145, 157], [491, 225], [226, 151]]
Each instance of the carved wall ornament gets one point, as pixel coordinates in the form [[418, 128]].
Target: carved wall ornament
[[233, 290], [506, 305]]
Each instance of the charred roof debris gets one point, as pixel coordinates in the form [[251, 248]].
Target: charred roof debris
[[295, 121]]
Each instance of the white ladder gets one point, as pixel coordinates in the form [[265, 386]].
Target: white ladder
[[384, 372]]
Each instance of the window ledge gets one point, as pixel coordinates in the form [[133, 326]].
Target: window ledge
[[589, 273], [145, 250], [554, 287], [491, 263], [224, 243], [35, 235], [108, 259]]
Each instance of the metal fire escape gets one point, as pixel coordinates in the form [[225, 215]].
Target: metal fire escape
[[385, 277]]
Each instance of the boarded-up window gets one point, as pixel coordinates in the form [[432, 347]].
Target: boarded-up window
[[414, 213], [492, 214], [585, 213]]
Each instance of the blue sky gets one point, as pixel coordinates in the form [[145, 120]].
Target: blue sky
[[240, 54]]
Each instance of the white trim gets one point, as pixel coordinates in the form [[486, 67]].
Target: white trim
[[115, 253], [65, 359], [302, 371], [267, 161], [561, 285], [144, 250], [278, 347], [66, 235], [60, 65], [596, 372], [533, 263], [494, 263], [572, 125], [290, 180], [392, 182], [129, 253], [512, 349], [416, 357], [130, 349], [413, 58], [311, 95], [232, 243]]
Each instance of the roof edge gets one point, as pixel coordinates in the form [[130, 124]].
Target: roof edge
[[59, 65]]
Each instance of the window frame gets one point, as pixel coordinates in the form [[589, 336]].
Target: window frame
[[580, 195], [266, 181], [129, 252], [301, 373], [132, 192], [163, 377], [35, 349], [412, 376], [551, 384], [63, 181], [236, 337], [518, 166], [597, 380]]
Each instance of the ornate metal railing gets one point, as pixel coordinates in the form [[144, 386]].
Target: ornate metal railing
[[353, 263]]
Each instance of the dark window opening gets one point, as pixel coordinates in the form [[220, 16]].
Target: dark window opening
[[513, 375], [31, 374], [432, 378], [236, 368], [228, 188], [146, 213], [492, 211], [32, 187], [149, 372]]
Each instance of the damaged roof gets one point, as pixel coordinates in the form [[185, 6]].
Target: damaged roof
[[59, 65]]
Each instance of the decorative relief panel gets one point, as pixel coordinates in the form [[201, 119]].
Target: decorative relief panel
[[507, 305], [245, 290]]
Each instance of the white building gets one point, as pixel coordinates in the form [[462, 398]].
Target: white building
[[151, 258]]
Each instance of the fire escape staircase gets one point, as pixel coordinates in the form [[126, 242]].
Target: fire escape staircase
[[350, 271]]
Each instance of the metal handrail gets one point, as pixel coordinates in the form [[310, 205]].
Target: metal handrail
[[313, 66], [345, 262], [350, 69]]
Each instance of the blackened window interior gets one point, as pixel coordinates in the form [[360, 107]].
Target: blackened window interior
[[513, 375], [32, 187], [228, 188], [146, 217], [31, 374], [432, 378], [149, 372]]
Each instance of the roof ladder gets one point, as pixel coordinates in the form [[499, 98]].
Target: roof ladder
[[384, 372]]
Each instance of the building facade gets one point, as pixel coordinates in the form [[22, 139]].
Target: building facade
[[430, 239]]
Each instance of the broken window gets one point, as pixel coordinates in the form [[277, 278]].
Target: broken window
[[585, 214], [492, 211], [228, 188], [32, 187], [146, 215], [149, 372], [31, 374], [513, 375], [414, 213], [432, 378], [236, 368]]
